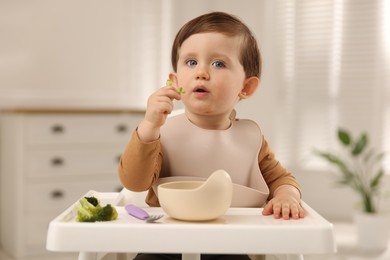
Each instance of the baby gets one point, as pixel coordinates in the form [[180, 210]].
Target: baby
[[216, 63]]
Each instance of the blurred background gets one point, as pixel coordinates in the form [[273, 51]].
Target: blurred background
[[326, 64]]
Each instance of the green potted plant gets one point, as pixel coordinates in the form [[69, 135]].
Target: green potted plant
[[360, 168]]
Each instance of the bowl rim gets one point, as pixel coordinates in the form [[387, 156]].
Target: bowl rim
[[179, 182], [160, 181]]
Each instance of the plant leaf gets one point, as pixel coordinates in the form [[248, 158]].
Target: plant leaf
[[360, 145], [377, 179], [333, 159], [344, 137], [368, 156], [363, 173]]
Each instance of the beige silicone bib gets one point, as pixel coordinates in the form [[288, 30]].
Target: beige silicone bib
[[192, 151]]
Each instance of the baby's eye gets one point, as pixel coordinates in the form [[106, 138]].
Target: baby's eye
[[219, 64], [191, 62]]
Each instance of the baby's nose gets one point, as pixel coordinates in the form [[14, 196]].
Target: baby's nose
[[202, 73]]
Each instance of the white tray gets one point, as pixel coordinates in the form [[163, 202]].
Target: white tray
[[240, 230]]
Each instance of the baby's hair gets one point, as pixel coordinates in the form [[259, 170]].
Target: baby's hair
[[228, 25]]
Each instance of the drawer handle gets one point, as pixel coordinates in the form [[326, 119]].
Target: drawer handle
[[121, 128], [57, 129], [57, 194], [57, 161]]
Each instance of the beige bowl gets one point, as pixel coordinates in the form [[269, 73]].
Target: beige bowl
[[243, 197], [197, 200]]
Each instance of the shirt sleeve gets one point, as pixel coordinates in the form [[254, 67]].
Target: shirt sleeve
[[140, 164], [273, 172]]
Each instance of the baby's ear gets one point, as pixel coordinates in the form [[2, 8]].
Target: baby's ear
[[173, 78], [250, 86]]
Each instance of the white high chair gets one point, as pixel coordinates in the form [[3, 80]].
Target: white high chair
[[239, 231], [278, 239], [138, 198]]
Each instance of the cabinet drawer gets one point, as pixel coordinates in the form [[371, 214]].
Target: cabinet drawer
[[51, 129], [50, 199], [73, 161]]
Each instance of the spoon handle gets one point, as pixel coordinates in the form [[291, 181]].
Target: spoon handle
[[136, 212]]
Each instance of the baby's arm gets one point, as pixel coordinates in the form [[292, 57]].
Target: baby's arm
[[284, 188], [285, 203], [140, 163], [159, 105]]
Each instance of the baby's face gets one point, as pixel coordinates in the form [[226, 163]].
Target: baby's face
[[210, 72]]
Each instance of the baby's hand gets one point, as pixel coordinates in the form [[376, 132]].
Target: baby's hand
[[159, 105], [285, 204]]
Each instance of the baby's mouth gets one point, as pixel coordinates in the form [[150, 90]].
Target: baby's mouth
[[201, 90]]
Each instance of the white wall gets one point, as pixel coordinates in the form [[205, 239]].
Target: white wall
[[85, 53]]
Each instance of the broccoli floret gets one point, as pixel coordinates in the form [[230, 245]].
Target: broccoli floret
[[94, 201], [88, 205], [90, 210], [84, 215], [169, 83], [86, 212], [181, 91], [106, 213]]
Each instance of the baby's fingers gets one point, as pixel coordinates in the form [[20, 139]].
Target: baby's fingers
[[297, 211], [284, 210], [272, 208], [294, 211], [170, 92]]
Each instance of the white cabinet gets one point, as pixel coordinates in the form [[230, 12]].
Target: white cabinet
[[47, 162]]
